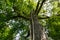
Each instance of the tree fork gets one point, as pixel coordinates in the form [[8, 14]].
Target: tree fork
[[37, 29]]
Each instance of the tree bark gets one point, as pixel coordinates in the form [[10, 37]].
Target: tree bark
[[37, 31], [32, 25]]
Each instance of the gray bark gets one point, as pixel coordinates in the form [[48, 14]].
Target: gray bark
[[37, 31]]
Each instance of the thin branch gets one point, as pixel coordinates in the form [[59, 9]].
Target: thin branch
[[16, 17], [20, 16], [44, 17], [40, 7], [37, 6]]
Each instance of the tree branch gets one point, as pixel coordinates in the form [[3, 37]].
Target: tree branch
[[43, 17], [40, 7], [20, 16], [37, 6]]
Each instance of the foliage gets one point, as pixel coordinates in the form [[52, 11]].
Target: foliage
[[10, 25]]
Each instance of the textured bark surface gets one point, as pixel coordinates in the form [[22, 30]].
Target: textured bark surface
[[37, 29], [44, 35], [37, 32], [32, 25]]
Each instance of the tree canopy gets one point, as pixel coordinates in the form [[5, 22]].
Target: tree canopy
[[15, 18]]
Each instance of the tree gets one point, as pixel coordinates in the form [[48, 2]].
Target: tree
[[17, 15]]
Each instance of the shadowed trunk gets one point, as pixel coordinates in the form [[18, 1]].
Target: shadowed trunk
[[32, 25], [37, 31]]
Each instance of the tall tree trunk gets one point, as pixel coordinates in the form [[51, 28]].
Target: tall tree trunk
[[32, 25], [37, 32]]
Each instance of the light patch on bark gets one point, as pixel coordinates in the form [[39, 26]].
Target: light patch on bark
[[44, 35]]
